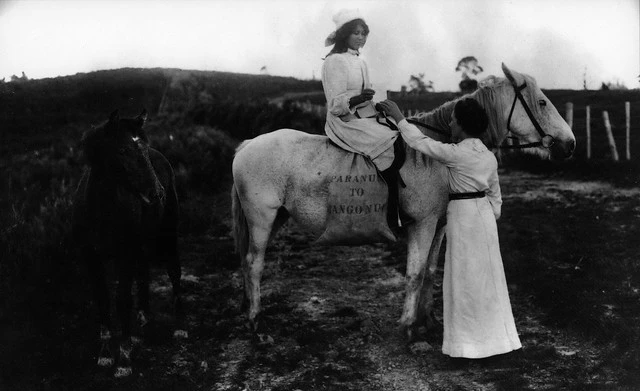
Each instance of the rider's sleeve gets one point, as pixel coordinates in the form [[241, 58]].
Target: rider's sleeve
[[445, 153], [335, 74], [493, 194]]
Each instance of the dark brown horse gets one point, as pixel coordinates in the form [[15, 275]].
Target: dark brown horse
[[126, 209]]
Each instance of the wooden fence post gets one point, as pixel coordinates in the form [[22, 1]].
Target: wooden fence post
[[627, 110], [612, 142], [569, 114], [588, 132]]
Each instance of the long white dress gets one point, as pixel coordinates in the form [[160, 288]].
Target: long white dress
[[478, 321], [345, 75]]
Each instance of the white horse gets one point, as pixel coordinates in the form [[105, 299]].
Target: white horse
[[283, 174]]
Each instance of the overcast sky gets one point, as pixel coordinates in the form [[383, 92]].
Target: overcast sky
[[557, 42]]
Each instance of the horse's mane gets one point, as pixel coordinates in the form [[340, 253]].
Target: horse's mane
[[90, 142], [485, 95], [438, 118]]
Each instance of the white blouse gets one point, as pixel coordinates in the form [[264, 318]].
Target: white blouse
[[344, 75], [472, 167]]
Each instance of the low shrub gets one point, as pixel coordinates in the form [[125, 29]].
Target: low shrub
[[201, 156]]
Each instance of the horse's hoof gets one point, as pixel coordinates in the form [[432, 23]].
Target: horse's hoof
[[408, 332], [264, 339], [122, 372], [418, 348], [180, 334], [252, 326], [105, 362]]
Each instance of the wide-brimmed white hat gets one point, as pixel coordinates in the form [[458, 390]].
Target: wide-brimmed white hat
[[340, 19]]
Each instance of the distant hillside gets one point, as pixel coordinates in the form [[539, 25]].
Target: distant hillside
[[38, 107], [39, 113]]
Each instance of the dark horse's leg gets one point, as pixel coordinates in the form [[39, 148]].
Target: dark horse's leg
[[99, 283], [167, 250], [174, 270], [124, 303], [142, 283]]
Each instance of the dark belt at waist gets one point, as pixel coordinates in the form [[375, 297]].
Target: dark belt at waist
[[466, 196]]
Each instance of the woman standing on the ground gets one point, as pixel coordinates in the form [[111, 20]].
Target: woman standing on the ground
[[478, 321], [351, 122]]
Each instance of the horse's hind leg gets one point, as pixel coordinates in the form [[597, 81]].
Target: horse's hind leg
[[260, 226], [281, 218], [98, 278]]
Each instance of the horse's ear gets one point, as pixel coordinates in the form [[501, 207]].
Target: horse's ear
[[114, 116], [514, 77], [142, 117]]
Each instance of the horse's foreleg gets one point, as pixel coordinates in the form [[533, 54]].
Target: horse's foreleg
[[174, 270], [419, 243], [142, 282], [98, 278], [425, 309], [124, 304]]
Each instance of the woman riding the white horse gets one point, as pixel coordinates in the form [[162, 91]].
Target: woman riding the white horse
[[351, 115]]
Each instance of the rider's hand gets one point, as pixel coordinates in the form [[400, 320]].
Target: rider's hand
[[391, 109], [365, 95]]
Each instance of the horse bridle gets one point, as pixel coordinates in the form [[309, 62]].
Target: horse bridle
[[546, 140]]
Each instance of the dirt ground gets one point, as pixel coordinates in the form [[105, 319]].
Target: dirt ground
[[330, 313]]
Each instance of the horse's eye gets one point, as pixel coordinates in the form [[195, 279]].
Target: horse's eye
[[542, 102]]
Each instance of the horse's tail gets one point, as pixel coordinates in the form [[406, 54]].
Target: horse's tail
[[240, 227]]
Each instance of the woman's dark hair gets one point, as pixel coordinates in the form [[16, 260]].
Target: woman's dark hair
[[471, 116], [343, 33]]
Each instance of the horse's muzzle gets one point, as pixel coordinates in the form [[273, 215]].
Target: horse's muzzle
[[563, 150]]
